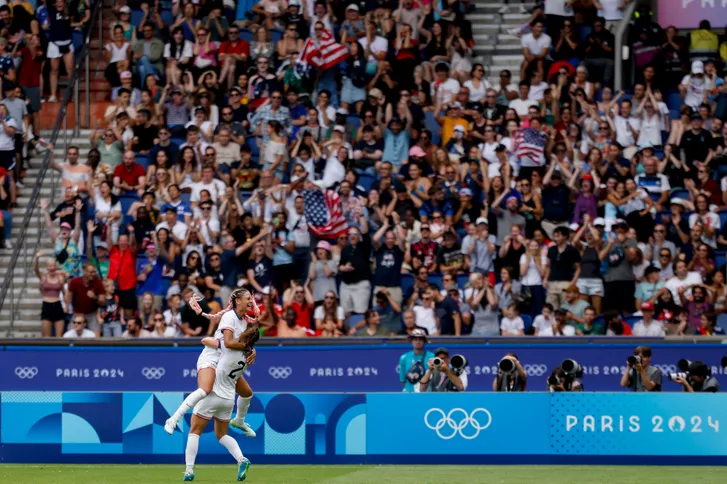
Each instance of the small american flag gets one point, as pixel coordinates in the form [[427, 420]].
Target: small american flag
[[324, 213], [530, 147], [321, 54]]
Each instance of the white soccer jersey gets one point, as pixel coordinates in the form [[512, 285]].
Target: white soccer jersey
[[230, 367], [229, 320]]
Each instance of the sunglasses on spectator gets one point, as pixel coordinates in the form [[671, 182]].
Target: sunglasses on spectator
[[79, 321], [159, 319]]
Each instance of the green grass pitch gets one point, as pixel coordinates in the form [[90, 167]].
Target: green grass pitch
[[146, 474]]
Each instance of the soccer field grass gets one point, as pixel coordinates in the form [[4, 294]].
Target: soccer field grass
[[145, 474]]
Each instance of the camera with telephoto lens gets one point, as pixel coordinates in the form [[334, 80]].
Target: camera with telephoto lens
[[506, 366], [724, 362], [554, 380], [459, 363], [572, 368], [634, 360], [683, 372], [437, 362]]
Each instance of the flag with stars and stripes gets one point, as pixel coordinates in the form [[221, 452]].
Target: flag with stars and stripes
[[529, 147], [324, 213]]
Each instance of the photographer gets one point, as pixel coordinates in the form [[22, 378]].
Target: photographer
[[698, 379], [511, 376], [560, 381], [640, 376], [441, 376]]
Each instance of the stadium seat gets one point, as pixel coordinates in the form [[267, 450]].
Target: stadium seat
[[462, 280], [674, 101], [720, 258], [528, 321], [431, 124], [354, 319], [143, 160], [682, 193], [722, 320], [277, 35], [251, 142], [354, 121], [435, 278], [655, 196], [722, 217], [365, 181], [407, 281], [631, 320], [186, 197], [246, 35]]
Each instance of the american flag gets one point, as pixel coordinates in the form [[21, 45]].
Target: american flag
[[529, 147], [324, 213], [322, 54]]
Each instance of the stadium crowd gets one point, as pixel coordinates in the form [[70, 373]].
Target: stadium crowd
[[350, 163]]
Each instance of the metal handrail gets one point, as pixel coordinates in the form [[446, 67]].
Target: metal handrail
[[61, 122], [618, 51]]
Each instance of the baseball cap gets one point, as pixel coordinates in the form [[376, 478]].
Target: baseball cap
[[323, 245], [465, 192], [573, 227], [599, 221], [102, 245], [697, 67], [571, 288], [66, 225], [295, 3], [353, 6], [416, 151], [647, 306], [459, 128], [678, 201], [178, 90], [375, 92], [562, 311], [442, 349], [342, 111], [500, 148], [125, 75], [339, 128], [125, 9], [455, 105], [482, 220]]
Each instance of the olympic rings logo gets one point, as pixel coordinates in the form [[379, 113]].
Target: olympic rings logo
[[447, 426], [153, 373], [26, 372], [535, 370], [280, 372]]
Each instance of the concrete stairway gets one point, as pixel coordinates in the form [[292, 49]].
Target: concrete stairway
[[26, 299], [498, 49]]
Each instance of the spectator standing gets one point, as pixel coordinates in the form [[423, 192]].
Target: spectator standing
[[355, 270], [413, 364], [60, 43], [53, 316], [620, 254], [122, 269], [564, 267], [86, 294], [389, 259]]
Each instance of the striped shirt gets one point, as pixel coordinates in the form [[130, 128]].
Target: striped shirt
[[266, 114], [177, 115]]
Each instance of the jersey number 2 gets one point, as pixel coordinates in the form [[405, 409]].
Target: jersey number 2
[[233, 373]]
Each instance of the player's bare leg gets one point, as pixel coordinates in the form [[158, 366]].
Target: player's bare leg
[[244, 397], [205, 381], [190, 454], [229, 443]]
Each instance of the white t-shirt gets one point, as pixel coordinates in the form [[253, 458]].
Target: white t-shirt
[[544, 326], [653, 330], [477, 94], [7, 143], [611, 10], [536, 45], [511, 327], [86, 333], [537, 92], [212, 224], [624, 136], [558, 7], [445, 92], [674, 284], [710, 219], [695, 90], [185, 51], [118, 53], [532, 277], [521, 106], [568, 330], [489, 154], [425, 319], [216, 189], [380, 44], [319, 313], [169, 332], [179, 230]]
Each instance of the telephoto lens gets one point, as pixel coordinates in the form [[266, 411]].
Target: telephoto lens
[[506, 365], [633, 360], [724, 362], [553, 380], [437, 362], [674, 376], [459, 362]]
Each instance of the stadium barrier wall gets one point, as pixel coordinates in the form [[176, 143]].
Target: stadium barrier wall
[[535, 428], [320, 368]]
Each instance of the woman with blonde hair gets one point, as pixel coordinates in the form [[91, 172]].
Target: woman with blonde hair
[[52, 314]]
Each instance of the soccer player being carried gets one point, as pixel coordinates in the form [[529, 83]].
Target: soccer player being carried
[[239, 315], [218, 404]]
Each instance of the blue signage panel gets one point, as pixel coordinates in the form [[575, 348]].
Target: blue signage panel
[[457, 424], [317, 368]]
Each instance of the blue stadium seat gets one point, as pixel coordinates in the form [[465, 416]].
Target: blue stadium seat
[[655, 196], [682, 193], [354, 319], [431, 124], [599, 321], [365, 181], [631, 320], [462, 280], [186, 198], [407, 281], [143, 160], [354, 121], [674, 101], [251, 142], [177, 141], [528, 321], [720, 258], [276, 35], [722, 320], [435, 278], [246, 35], [722, 217]]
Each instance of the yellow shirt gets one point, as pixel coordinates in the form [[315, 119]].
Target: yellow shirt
[[703, 40]]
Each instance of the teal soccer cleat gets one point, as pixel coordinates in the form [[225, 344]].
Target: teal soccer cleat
[[189, 476], [242, 471]]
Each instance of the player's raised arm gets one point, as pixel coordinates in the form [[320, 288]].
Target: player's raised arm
[[211, 342]]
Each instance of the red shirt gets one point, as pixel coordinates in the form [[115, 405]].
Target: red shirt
[[81, 302], [122, 268], [304, 314], [130, 175], [240, 48], [31, 68]]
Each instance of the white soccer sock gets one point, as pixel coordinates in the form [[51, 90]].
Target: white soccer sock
[[232, 447], [189, 403], [243, 405], [190, 453]]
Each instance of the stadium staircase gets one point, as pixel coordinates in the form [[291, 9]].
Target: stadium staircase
[[494, 47], [25, 296]]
